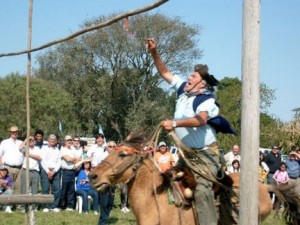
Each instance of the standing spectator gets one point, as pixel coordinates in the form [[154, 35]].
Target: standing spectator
[[84, 189], [78, 152], [235, 168], [234, 154], [6, 184], [263, 169], [69, 159], [97, 152], [106, 199], [293, 167], [33, 169], [51, 172], [163, 157], [39, 139], [273, 161], [12, 158], [281, 176]]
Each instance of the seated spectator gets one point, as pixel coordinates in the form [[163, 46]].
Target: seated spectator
[[292, 165], [84, 189], [263, 169], [5, 185], [235, 168], [163, 157]]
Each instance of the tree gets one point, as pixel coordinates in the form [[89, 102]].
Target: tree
[[113, 67], [49, 103], [229, 97]]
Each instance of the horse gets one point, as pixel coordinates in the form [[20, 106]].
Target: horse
[[133, 165]]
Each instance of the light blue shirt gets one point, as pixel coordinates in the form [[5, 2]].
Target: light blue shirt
[[194, 137]]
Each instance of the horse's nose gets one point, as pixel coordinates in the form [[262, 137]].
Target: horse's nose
[[93, 177]]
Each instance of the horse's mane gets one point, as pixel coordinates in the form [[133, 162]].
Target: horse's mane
[[136, 140]]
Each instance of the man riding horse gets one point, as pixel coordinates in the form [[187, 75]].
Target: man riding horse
[[194, 108]]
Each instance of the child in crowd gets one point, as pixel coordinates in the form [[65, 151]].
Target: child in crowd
[[263, 169], [281, 176], [235, 168]]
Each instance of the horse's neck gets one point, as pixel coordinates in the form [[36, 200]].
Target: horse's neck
[[147, 178]]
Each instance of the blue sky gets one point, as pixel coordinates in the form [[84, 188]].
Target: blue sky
[[220, 39]]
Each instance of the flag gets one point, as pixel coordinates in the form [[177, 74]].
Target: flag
[[60, 127], [100, 130]]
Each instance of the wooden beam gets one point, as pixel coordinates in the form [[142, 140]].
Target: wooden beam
[[26, 199]]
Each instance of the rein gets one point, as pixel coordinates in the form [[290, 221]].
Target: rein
[[136, 161]]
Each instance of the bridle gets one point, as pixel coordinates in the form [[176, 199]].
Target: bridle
[[135, 161]]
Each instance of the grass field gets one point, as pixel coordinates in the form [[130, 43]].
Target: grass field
[[73, 218]]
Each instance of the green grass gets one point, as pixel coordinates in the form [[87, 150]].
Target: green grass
[[73, 218]]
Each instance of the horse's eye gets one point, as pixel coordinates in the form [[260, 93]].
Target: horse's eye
[[123, 154]]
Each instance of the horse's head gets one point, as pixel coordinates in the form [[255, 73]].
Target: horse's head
[[120, 165]]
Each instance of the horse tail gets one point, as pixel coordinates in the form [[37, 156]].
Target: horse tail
[[287, 196], [227, 200]]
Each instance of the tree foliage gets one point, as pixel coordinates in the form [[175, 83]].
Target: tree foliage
[[111, 76], [48, 102]]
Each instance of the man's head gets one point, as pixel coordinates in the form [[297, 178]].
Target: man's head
[[3, 171], [76, 141], [111, 146], [52, 140], [162, 147], [293, 155], [13, 132], [68, 141], [31, 141], [39, 135], [235, 149], [200, 79], [275, 149], [99, 139]]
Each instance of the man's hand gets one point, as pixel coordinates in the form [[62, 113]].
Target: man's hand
[[167, 125], [151, 44]]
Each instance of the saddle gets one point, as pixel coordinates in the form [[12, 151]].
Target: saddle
[[182, 185]]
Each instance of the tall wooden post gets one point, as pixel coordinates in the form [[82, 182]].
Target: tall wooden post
[[250, 113], [30, 219]]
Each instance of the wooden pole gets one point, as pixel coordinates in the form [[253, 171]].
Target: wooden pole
[[29, 217], [250, 114]]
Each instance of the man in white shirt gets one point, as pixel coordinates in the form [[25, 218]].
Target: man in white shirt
[[33, 169], [68, 161], [98, 151], [232, 155], [12, 157], [51, 172]]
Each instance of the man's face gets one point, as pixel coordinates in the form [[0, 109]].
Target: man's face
[[76, 142], [39, 137], [235, 150], [52, 141], [194, 82], [163, 149], [68, 143], [275, 150], [100, 141], [14, 134]]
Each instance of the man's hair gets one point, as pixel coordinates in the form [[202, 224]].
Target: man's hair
[[99, 135], [39, 132]]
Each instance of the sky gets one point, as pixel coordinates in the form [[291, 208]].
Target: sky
[[220, 38]]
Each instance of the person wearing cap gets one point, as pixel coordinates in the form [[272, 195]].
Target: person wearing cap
[[69, 159], [51, 172], [163, 158], [12, 157], [33, 168], [292, 166], [195, 106], [6, 184]]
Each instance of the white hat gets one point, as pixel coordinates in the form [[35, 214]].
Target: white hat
[[162, 143], [13, 129], [68, 137]]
